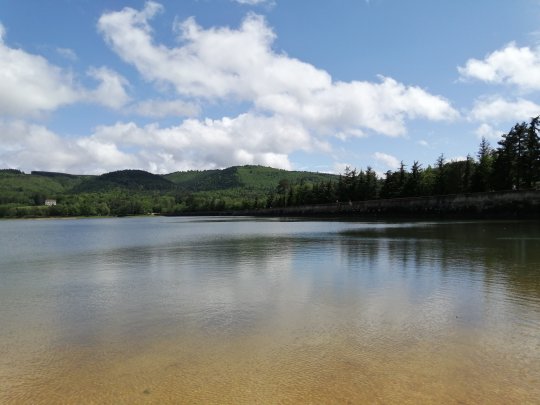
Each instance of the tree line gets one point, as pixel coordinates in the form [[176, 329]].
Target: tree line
[[513, 165]]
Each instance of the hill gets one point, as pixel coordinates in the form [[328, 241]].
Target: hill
[[249, 178], [127, 192], [134, 180], [205, 180], [19, 188]]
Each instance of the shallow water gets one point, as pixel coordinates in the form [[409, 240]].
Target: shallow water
[[232, 310]]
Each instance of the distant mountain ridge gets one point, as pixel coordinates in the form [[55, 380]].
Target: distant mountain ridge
[[138, 180], [250, 177], [250, 181]]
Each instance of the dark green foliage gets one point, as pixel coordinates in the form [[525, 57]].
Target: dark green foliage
[[10, 171], [206, 180], [255, 178], [67, 181], [531, 156], [27, 189], [242, 187], [411, 186], [482, 176], [54, 174], [136, 180], [517, 159], [135, 192]]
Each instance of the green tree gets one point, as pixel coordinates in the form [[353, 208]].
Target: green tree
[[482, 176], [531, 156], [412, 184], [440, 180], [510, 164]]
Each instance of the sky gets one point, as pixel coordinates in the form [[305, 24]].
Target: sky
[[92, 86]]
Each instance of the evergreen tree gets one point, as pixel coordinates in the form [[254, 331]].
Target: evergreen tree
[[482, 177], [467, 177], [510, 163], [412, 185], [371, 184], [440, 180], [390, 187], [531, 158]]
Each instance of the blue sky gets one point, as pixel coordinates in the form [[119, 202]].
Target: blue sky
[[89, 86]]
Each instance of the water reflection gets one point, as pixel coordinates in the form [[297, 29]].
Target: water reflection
[[501, 252], [302, 311]]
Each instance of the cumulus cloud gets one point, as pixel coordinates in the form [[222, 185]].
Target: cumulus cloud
[[166, 108], [510, 65], [343, 108], [499, 109], [34, 147], [111, 91], [389, 161], [488, 132], [218, 64], [30, 85], [246, 139], [194, 144]]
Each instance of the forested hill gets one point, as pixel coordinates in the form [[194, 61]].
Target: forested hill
[[136, 192], [135, 180], [250, 178]]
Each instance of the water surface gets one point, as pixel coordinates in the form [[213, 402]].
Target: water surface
[[232, 310]]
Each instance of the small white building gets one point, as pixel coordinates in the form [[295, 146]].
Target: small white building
[[50, 202]]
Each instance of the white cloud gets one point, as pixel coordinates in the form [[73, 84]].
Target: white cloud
[[30, 85], [34, 147], [389, 161], [194, 144], [339, 167], [221, 64], [488, 132], [111, 92], [343, 108], [67, 53], [509, 65], [166, 108], [498, 109], [246, 139]]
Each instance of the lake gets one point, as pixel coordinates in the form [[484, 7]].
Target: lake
[[244, 310]]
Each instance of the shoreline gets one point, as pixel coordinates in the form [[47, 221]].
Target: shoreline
[[488, 205]]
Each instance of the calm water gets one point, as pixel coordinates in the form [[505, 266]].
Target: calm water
[[231, 310]]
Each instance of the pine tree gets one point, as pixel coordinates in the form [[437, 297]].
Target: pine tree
[[531, 158], [481, 179], [510, 162]]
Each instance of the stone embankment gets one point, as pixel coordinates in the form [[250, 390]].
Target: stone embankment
[[509, 204]]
